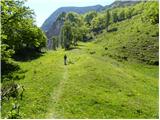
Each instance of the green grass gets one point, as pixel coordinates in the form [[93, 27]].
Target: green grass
[[133, 39], [97, 83], [91, 86]]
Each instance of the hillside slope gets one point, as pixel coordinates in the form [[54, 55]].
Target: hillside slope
[[131, 39], [122, 3]]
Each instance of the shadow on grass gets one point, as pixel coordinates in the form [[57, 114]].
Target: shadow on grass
[[72, 48], [8, 67], [11, 71], [27, 55], [81, 45], [113, 30]]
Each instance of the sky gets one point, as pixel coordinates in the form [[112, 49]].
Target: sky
[[44, 8]]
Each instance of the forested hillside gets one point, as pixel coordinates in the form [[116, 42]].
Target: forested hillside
[[112, 63], [52, 25]]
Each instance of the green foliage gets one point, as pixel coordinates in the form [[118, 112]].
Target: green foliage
[[121, 15], [86, 27], [84, 33], [19, 28], [55, 42], [66, 35], [14, 113], [35, 38], [128, 13], [5, 52], [73, 30], [18, 32], [98, 24], [73, 18], [9, 89], [151, 12], [89, 17], [107, 19], [114, 16]]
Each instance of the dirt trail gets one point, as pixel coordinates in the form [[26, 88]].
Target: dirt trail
[[59, 91]]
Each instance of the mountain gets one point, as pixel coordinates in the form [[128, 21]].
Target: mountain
[[52, 27], [81, 10]]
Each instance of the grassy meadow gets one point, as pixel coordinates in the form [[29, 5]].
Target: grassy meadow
[[90, 86]]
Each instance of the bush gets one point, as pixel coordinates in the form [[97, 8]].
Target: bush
[[9, 89]]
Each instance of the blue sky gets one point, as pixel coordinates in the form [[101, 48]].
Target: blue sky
[[44, 8]]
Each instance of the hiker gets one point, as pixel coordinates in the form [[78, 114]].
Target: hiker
[[65, 59]]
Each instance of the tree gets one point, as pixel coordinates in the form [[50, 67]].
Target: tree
[[107, 19], [75, 35], [18, 25], [5, 53], [128, 13], [18, 32], [89, 17], [66, 35], [121, 15], [71, 31], [98, 23], [114, 16], [84, 33], [32, 37], [55, 42], [73, 18], [151, 12]]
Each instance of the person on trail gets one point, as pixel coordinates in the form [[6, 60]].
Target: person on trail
[[65, 59]]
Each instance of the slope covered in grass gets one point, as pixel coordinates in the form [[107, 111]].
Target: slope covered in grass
[[90, 86], [131, 39]]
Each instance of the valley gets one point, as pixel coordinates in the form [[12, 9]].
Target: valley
[[112, 62]]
